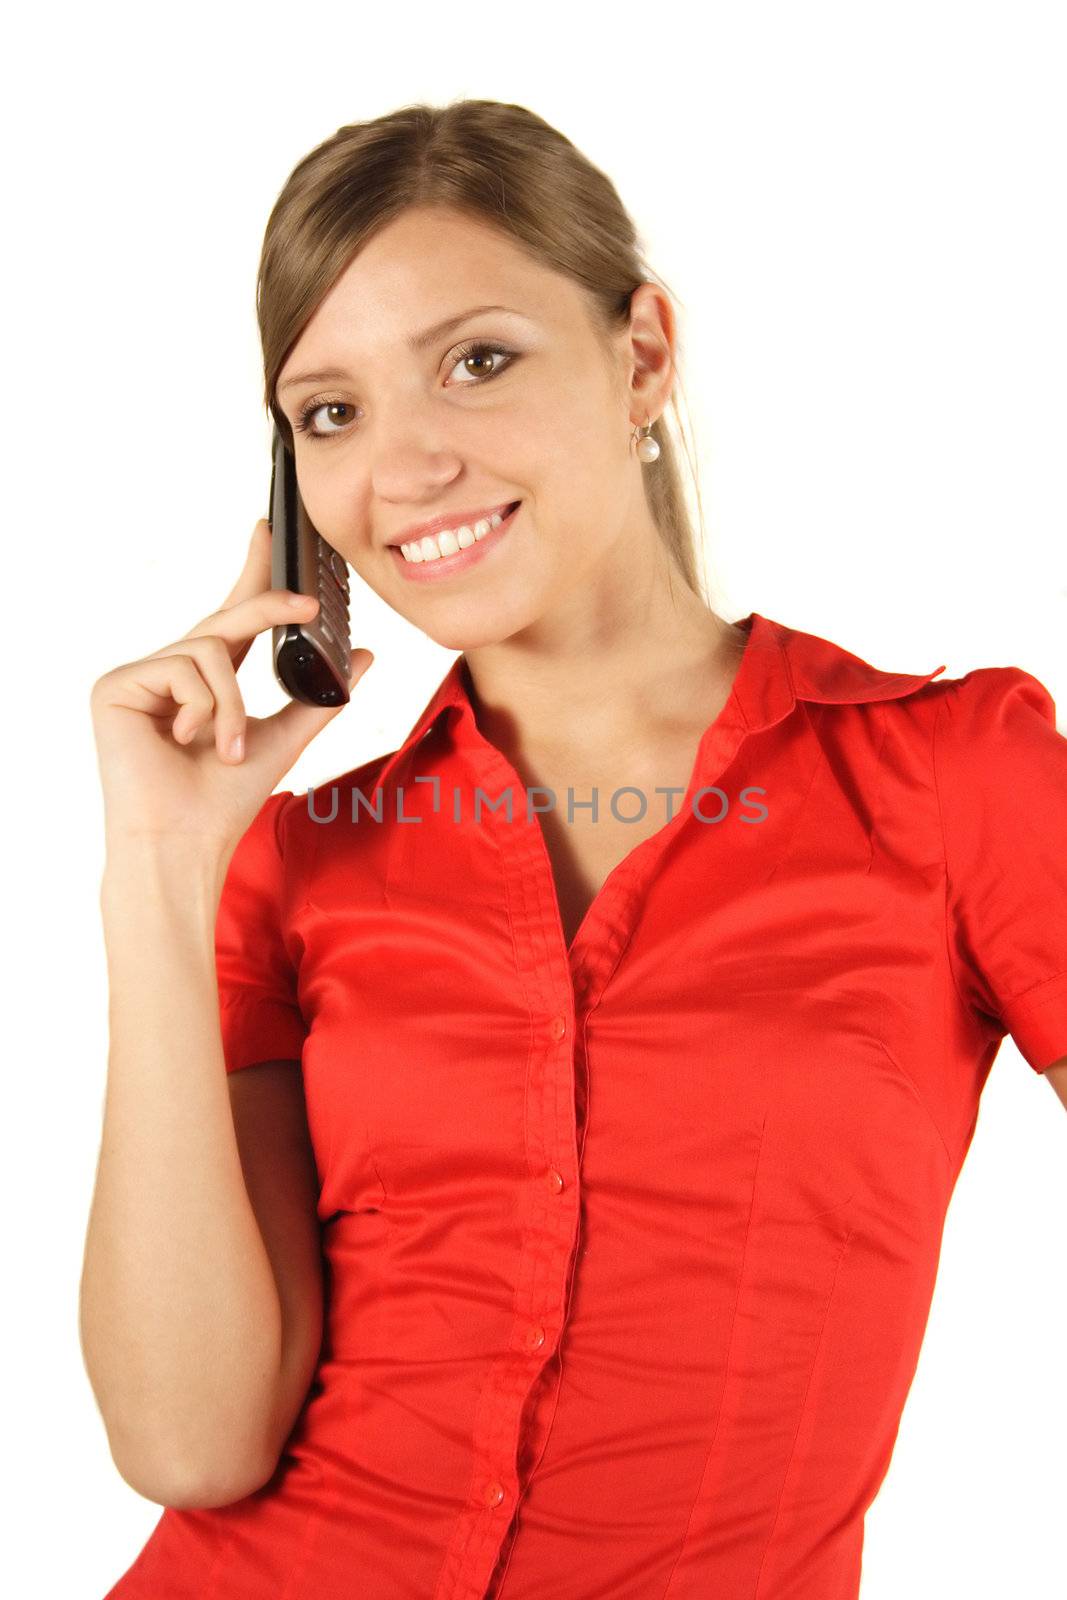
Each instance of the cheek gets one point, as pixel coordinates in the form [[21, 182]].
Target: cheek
[[332, 513], [574, 416], [576, 467], [590, 419]]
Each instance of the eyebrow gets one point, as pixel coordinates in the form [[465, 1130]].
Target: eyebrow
[[417, 342]]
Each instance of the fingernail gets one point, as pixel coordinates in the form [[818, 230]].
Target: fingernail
[[237, 747]]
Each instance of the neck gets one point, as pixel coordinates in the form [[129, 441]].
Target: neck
[[597, 674]]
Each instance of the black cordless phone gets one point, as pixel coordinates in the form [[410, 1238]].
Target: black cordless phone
[[311, 659]]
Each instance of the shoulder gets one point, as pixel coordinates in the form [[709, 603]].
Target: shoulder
[[327, 832], [303, 811], [1000, 769], [989, 714], [994, 718]]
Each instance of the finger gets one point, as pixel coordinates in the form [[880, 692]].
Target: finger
[[196, 702], [255, 579], [223, 704], [154, 686], [199, 680], [239, 623], [255, 574]]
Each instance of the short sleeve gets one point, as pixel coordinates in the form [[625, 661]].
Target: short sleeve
[[258, 1008], [1001, 772]]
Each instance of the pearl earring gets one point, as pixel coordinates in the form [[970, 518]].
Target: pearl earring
[[647, 447]]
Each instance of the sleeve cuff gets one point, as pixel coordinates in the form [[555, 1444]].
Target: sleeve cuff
[[260, 1028], [1037, 1021]]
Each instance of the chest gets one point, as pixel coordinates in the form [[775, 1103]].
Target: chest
[[584, 845], [787, 964]]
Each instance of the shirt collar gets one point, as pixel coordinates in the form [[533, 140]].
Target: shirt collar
[[780, 666]]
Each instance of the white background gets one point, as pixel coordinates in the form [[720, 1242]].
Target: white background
[[861, 210]]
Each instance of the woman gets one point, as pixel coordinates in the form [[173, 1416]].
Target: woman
[[566, 1218]]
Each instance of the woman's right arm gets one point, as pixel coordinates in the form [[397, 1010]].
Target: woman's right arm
[[180, 1314], [197, 1324]]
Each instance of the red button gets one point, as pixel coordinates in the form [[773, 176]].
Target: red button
[[494, 1493], [535, 1338], [558, 1027], [554, 1180]]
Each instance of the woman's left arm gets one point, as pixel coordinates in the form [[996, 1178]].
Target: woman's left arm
[[1057, 1076]]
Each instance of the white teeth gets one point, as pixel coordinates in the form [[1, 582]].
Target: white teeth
[[433, 546]]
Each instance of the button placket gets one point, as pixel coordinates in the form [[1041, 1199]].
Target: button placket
[[517, 1401]]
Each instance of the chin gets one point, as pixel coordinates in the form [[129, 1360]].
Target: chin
[[470, 627], [465, 638]]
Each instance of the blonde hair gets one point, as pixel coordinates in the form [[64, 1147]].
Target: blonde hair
[[511, 170]]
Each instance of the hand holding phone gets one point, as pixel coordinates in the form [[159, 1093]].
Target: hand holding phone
[[311, 658], [164, 725]]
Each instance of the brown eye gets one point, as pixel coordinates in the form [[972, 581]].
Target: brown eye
[[331, 407], [476, 359]]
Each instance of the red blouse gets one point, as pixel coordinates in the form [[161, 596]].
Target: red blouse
[[630, 1245]]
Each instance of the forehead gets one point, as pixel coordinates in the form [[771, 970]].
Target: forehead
[[423, 266]]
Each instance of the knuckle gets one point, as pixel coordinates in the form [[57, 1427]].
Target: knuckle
[[212, 644], [171, 653], [186, 675], [183, 669]]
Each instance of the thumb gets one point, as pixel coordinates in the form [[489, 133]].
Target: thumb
[[287, 734]]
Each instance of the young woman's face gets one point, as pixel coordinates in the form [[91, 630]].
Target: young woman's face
[[408, 434]]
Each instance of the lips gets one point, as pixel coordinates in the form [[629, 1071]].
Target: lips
[[458, 520], [441, 568]]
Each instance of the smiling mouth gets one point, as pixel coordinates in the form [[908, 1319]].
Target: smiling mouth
[[434, 547]]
